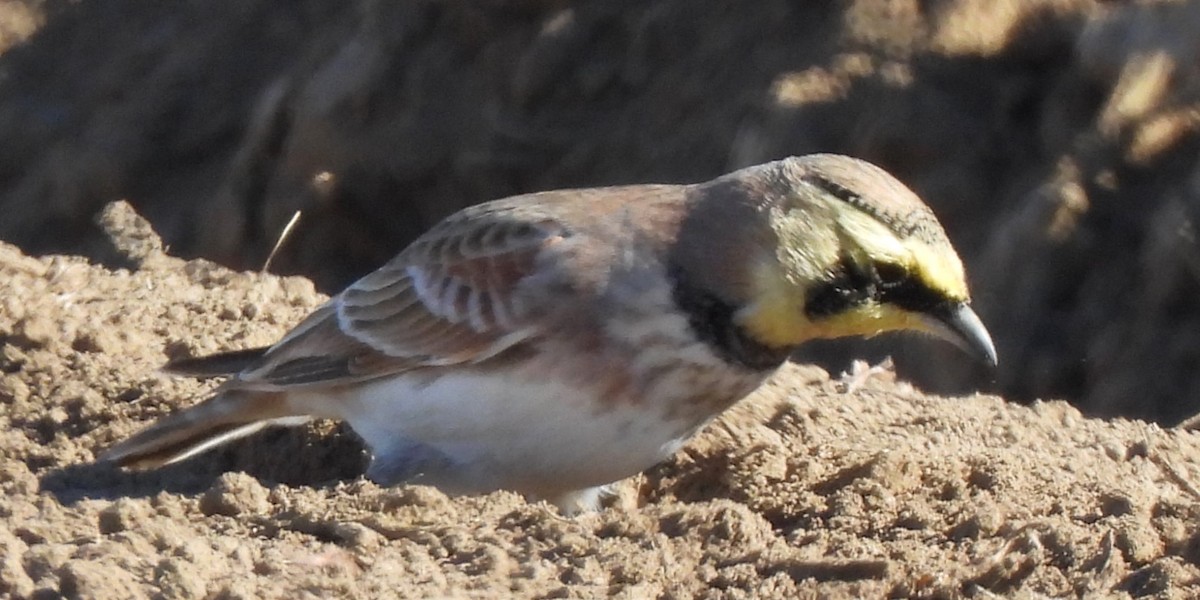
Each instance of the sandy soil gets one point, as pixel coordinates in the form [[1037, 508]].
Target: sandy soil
[[1058, 140], [835, 487]]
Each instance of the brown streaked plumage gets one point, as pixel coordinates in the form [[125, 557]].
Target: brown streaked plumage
[[553, 343]]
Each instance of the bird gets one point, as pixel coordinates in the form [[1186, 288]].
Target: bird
[[555, 343]]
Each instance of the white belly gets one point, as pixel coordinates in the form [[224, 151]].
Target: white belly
[[522, 433], [574, 414]]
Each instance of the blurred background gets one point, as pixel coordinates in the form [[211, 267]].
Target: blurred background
[[1057, 140]]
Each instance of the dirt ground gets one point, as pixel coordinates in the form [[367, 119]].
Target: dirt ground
[[1058, 140], [848, 486]]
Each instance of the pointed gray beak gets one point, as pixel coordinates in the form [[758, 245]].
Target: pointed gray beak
[[959, 325]]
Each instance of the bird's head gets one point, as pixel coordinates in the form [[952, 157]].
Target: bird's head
[[851, 251]]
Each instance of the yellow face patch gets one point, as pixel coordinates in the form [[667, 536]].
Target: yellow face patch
[[776, 318], [941, 271], [814, 248], [938, 267], [866, 320]]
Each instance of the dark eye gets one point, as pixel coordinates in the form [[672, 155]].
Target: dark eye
[[890, 274]]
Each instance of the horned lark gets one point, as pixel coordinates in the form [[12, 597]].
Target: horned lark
[[553, 343]]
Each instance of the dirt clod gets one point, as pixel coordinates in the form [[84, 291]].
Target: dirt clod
[[234, 494], [82, 578]]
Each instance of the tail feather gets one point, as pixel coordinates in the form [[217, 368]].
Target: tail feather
[[215, 365], [227, 416]]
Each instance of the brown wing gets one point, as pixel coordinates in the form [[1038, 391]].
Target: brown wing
[[454, 296]]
